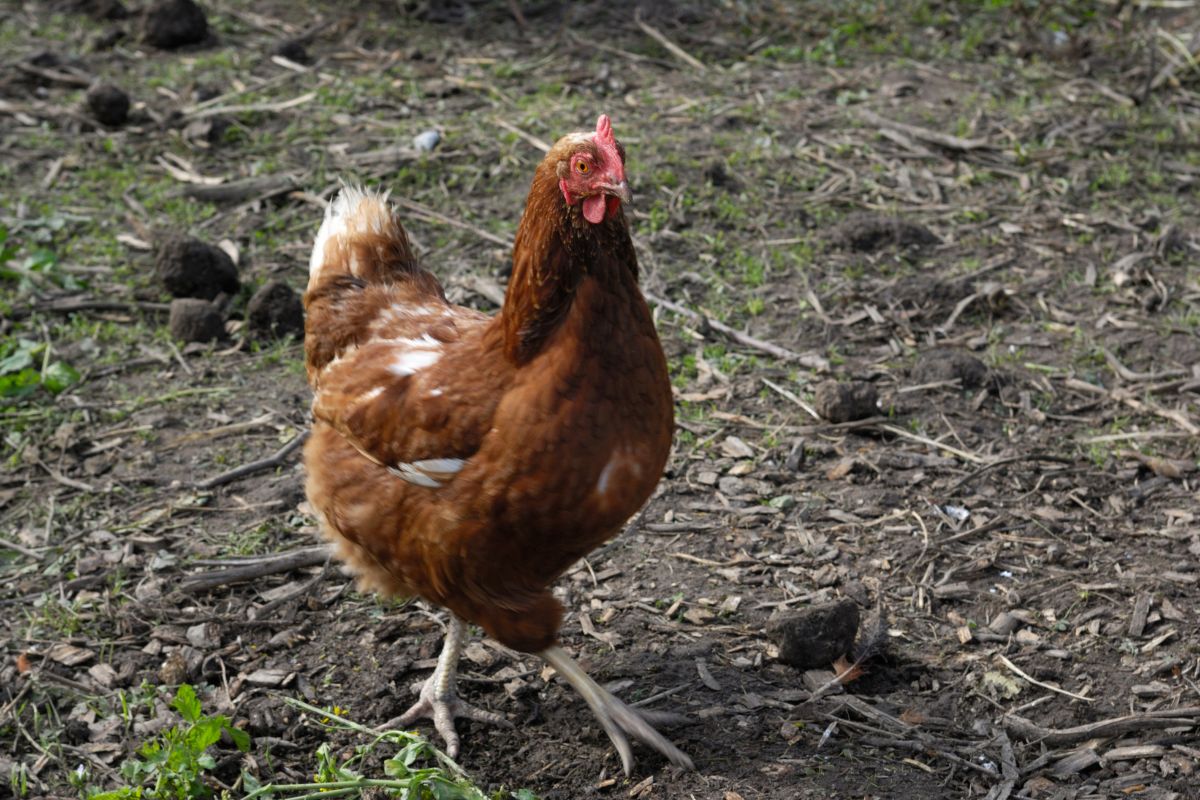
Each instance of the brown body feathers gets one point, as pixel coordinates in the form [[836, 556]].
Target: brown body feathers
[[471, 459]]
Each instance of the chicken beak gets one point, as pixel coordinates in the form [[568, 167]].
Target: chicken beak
[[619, 190]]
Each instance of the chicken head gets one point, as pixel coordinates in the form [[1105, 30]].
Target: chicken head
[[594, 174]]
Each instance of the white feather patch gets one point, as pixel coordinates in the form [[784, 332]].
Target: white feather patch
[[338, 214], [408, 362], [428, 472]]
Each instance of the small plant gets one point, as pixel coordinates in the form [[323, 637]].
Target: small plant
[[20, 373], [417, 771], [171, 766], [37, 270]]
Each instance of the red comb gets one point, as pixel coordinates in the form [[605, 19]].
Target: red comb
[[604, 134]]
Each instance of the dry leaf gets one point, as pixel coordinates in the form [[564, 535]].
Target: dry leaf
[[68, 654], [1004, 685], [841, 469], [847, 671]]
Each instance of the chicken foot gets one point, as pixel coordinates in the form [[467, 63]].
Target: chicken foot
[[619, 720], [438, 699]]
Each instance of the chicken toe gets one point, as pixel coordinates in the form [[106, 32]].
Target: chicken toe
[[438, 699], [619, 720]]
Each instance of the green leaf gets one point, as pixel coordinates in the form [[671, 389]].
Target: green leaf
[[241, 739], [186, 704], [205, 733], [21, 356], [59, 376], [19, 384]]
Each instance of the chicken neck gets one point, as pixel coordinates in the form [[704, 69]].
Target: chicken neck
[[555, 250]]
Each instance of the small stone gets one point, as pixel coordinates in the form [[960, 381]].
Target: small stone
[[1027, 637], [736, 448], [846, 402], [426, 140], [195, 320], [108, 104], [192, 268], [937, 366], [815, 637], [169, 24], [274, 311], [731, 485]]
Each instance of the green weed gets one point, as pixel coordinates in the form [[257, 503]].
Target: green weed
[[171, 766]]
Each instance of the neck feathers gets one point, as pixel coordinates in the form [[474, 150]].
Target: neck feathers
[[555, 249]]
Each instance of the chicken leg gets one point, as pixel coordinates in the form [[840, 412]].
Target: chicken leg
[[438, 698], [618, 719]]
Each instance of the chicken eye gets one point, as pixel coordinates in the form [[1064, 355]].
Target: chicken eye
[[582, 166]]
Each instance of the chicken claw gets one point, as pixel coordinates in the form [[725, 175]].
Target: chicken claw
[[439, 699], [619, 720]]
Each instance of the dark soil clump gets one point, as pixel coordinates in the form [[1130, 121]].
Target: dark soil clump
[[845, 402], [274, 311], [867, 233], [192, 268], [947, 365], [194, 320], [815, 637], [170, 24], [108, 104]]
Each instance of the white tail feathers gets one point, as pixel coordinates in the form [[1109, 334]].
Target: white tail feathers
[[355, 209]]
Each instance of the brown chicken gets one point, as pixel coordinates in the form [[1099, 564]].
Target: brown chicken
[[470, 459]]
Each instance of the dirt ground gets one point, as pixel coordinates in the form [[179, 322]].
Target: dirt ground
[[982, 215]]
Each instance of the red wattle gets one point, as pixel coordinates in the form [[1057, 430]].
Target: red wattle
[[594, 208]]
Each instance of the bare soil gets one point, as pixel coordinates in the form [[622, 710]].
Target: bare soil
[[985, 211]]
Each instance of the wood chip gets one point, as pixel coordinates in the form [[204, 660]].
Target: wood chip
[[1141, 608], [270, 677], [1133, 752], [706, 677], [1075, 762], [951, 591], [1151, 645]]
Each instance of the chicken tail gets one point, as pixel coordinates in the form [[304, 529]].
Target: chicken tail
[[361, 236], [362, 261]]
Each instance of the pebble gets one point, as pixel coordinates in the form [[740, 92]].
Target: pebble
[[426, 141]]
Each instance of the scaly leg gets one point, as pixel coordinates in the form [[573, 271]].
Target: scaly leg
[[439, 697], [618, 719]]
